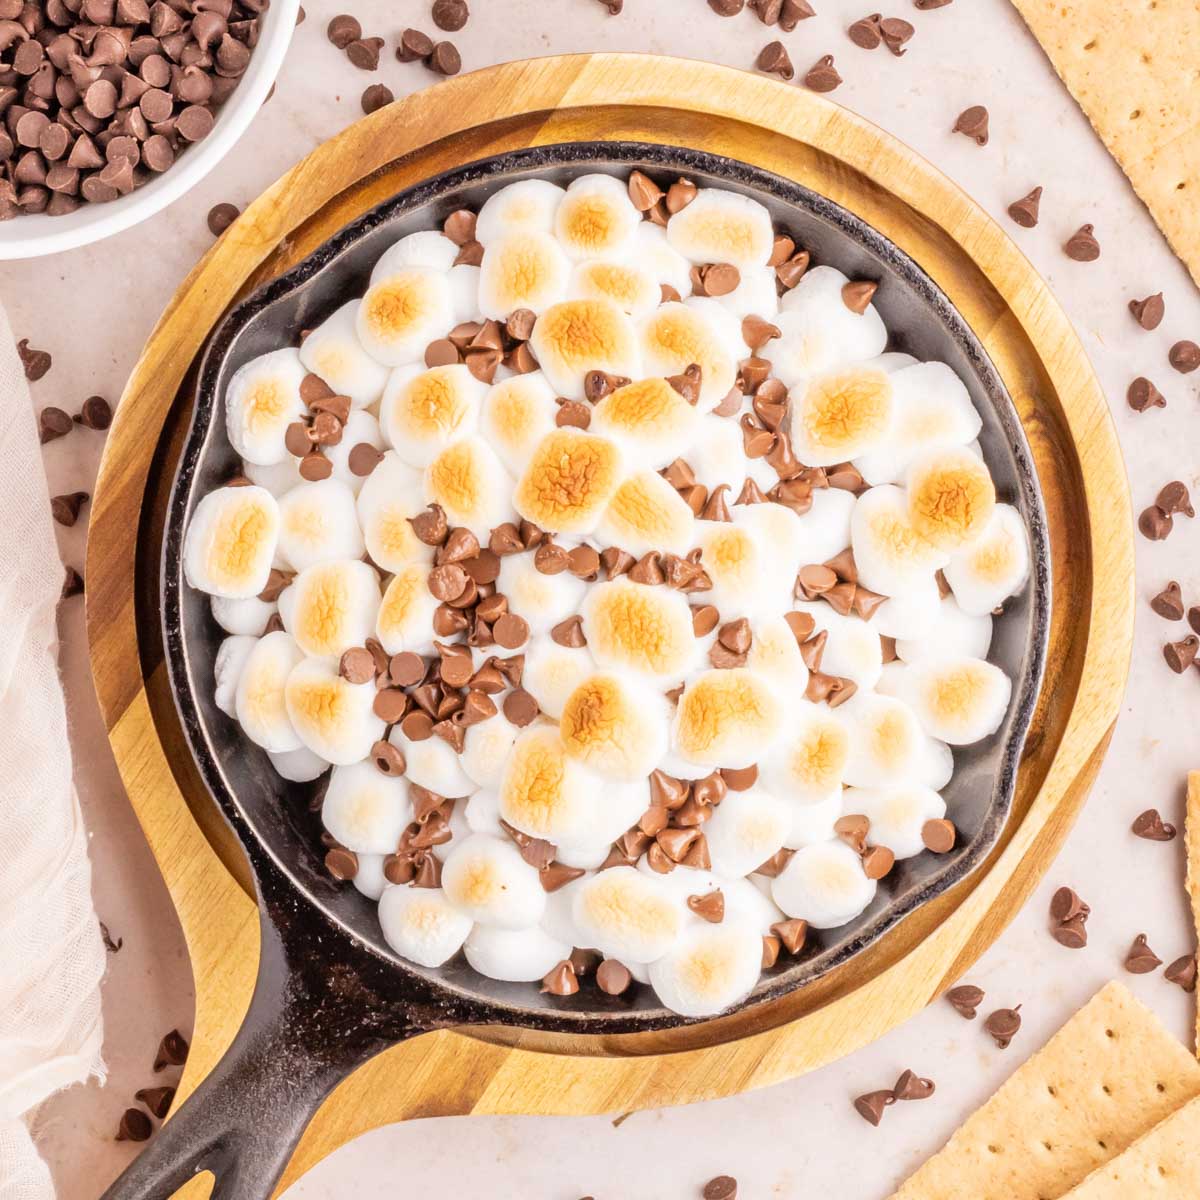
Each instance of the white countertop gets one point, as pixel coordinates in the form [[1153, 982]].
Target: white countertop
[[93, 309]]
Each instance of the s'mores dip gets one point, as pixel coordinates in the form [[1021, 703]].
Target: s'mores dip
[[625, 593]]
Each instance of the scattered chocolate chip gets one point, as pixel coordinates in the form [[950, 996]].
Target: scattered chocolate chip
[[1152, 827], [364, 458], [375, 97], [774, 59], [220, 217], [1071, 933], [727, 8], [870, 1106], [822, 77], [929, 5], [1174, 498], [1003, 1025], [973, 122], [172, 1051], [1141, 960], [1148, 313], [721, 1187], [431, 526], [939, 835], [1180, 655], [343, 30], [1183, 972], [1025, 211], [109, 945], [792, 933], [520, 707], [614, 6], [1168, 604], [53, 423], [388, 758], [613, 977], [1066, 904], [414, 46], [896, 32], [65, 508], [965, 999], [857, 294], [1184, 357], [364, 53], [877, 861], [72, 584], [865, 32], [445, 59], [1142, 394], [156, 1099], [1155, 524], [341, 863], [911, 1086], [1082, 246], [710, 907], [35, 362], [357, 665], [560, 980], [134, 1126], [450, 15]]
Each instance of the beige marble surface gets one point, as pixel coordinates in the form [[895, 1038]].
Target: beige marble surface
[[93, 308]]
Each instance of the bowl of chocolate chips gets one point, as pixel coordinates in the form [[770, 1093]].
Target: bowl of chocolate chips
[[112, 109]]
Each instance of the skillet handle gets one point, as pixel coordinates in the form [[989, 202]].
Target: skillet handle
[[243, 1122]]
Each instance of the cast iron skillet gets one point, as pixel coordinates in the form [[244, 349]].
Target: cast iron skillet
[[330, 992]]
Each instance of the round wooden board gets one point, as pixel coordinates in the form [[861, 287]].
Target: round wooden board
[[651, 99]]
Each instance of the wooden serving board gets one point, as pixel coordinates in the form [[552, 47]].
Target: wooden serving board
[[796, 134]]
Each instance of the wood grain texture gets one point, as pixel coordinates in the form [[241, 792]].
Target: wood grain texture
[[808, 139]]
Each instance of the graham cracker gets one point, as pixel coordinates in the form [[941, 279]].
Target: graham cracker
[[1109, 1075], [1162, 1165], [1134, 70], [1191, 838]]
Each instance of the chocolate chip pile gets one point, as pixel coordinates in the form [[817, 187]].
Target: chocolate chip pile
[[99, 96]]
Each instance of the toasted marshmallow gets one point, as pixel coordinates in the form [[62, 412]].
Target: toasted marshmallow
[[402, 313], [247, 617], [433, 764], [487, 878], [525, 269], [331, 607], [422, 412], [933, 411], [230, 542], [628, 283], [596, 218], [716, 457], [852, 646], [827, 524], [654, 253], [422, 925], [366, 810], [516, 414], [542, 600], [485, 750], [676, 335], [644, 629], [361, 428], [529, 204], [577, 336], [261, 401], [259, 702], [813, 821], [615, 726], [405, 620], [552, 672], [278, 478], [232, 654], [711, 967], [719, 226], [891, 556], [647, 513], [984, 573], [955, 633], [727, 718], [627, 915], [298, 766], [427, 248], [776, 526], [809, 762], [330, 715], [887, 744], [391, 496], [745, 829], [775, 655], [824, 885], [912, 614], [651, 422], [957, 700], [897, 815], [569, 481], [548, 794], [369, 880], [951, 497], [333, 352], [514, 955], [819, 333], [738, 565], [840, 416], [471, 484], [318, 523]]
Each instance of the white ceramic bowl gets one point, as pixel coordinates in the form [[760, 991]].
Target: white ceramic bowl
[[37, 234]]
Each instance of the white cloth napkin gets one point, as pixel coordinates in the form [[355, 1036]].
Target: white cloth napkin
[[51, 953]]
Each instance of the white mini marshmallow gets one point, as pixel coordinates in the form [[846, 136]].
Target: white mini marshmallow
[[541, 600], [331, 716], [569, 481], [369, 880], [366, 810], [402, 313], [897, 815], [699, 331], [486, 878], [720, 226], [426, 248], [464, 294], [755, 294], [646, 513], [423, 411], [809, 762], [627, 915], [654, 252], [827, 523], [891, 556], [422, 925], [596, 218], [278, 478], [432, 764], [957, 700], [852, 647], [516, 414], [246, 617], [232, 654], [716, 457], [984, 573], [813, 821], [552, 672], [331, 607], [824, 885], [298, 766], [318, 522], [482, 812], [470, 483], [775, 655], [391, 496], [526, 204], [361, 428], [485, 750], [887, 744], [914, 613], [259, 703], [525, 269], [951, 496], [954, 634], [727, 718], [739, 566], [745, 829], [616, 726], [710, 968], [628, 283], [776, 526], [650, 421], [577, 336], [641, 628], [333, 352], [405, 620], [261, 401], [514, 955], [230, 542], [841, 415]]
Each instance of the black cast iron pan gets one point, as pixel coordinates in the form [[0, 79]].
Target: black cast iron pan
[[330, 992]]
